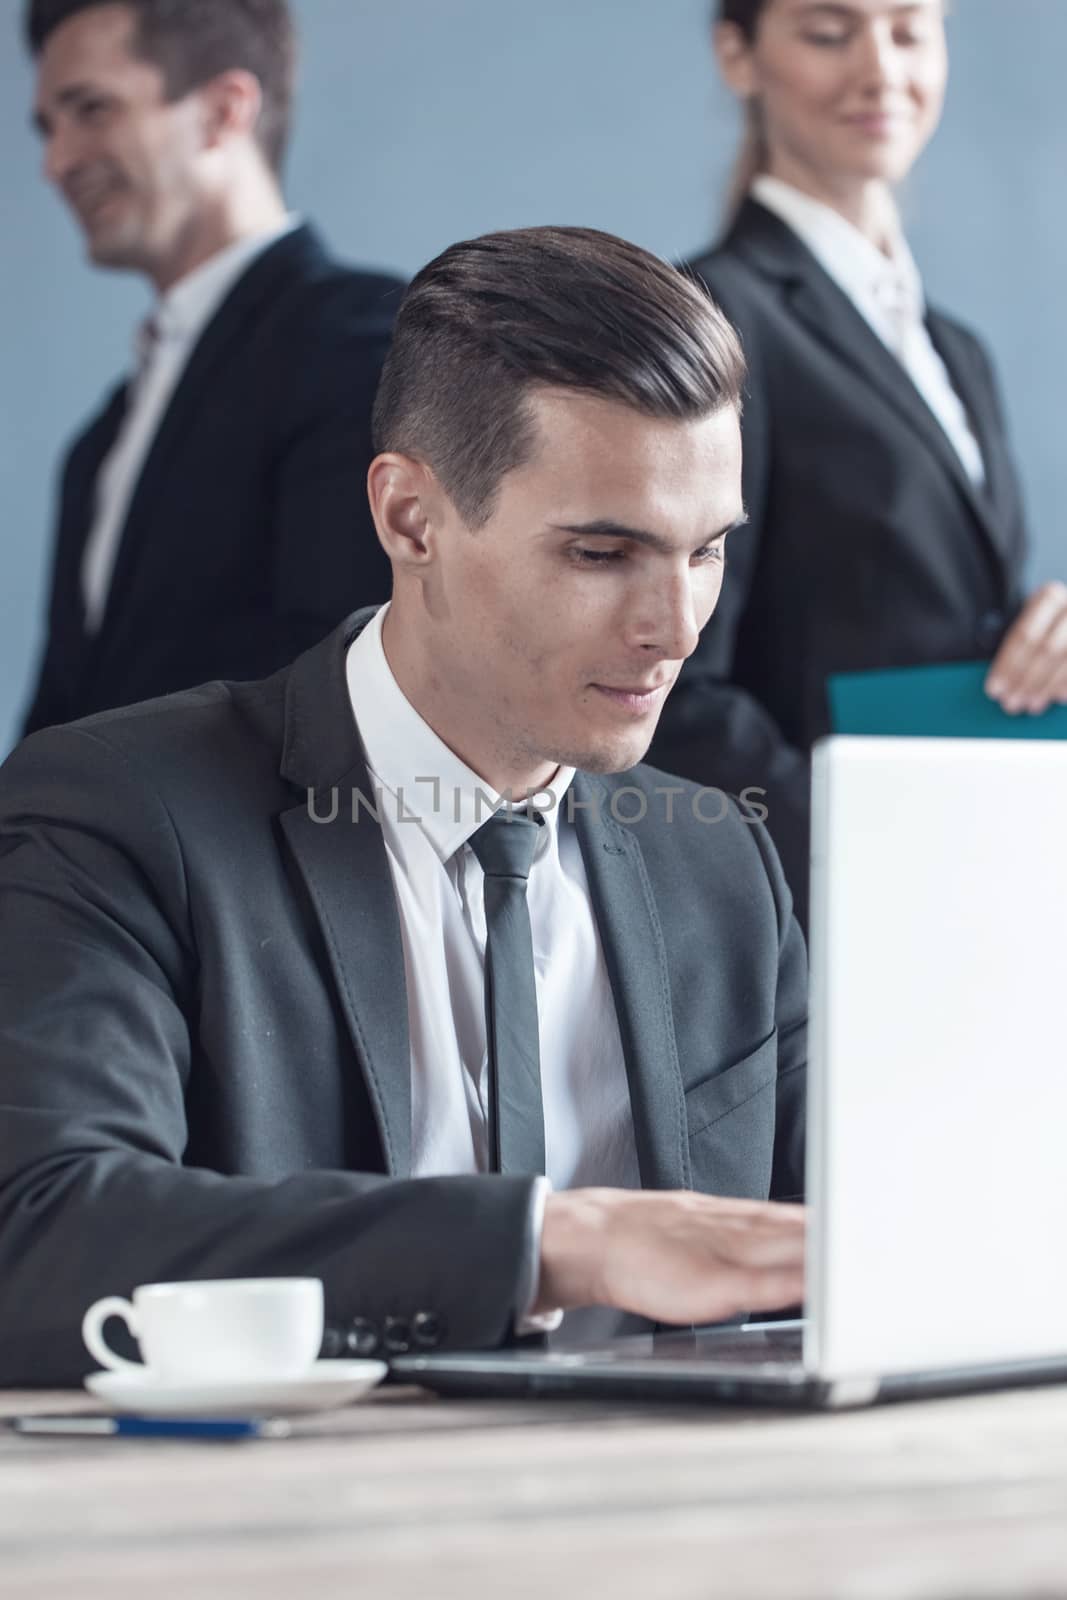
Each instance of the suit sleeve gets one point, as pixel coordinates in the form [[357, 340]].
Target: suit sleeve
[[712, 731], [98, 997]]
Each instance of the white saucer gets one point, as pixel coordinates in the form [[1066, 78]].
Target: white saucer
[[325, 1384]]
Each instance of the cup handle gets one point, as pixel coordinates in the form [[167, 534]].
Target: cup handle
[[93, 1321]]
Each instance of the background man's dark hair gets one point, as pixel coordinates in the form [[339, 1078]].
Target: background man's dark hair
[[192, 41], [571, 308]]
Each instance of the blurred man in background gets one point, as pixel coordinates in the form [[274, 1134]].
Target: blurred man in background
[[212, 519]]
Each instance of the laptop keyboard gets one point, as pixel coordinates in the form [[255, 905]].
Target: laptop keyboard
[[741, 1347]]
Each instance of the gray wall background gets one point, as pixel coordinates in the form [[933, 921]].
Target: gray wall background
[[424, 121]]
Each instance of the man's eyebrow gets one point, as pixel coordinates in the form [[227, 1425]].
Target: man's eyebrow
[[605, 528]]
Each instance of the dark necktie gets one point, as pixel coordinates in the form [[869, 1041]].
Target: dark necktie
[[505, 848], [146, 343]]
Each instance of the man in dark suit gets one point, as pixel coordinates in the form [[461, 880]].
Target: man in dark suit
[[212, 518], [244, 1028]]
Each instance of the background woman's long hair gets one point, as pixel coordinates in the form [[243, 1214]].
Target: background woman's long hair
[[744, 14]]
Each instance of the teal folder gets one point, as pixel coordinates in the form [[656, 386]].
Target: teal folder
[[934, 703]]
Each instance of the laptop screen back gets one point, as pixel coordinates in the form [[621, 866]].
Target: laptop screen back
[[937, 1159]]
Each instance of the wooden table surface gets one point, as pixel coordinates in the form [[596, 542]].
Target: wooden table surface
[[407, 1496]]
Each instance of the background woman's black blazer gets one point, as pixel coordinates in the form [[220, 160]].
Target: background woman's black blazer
[[867, 545]]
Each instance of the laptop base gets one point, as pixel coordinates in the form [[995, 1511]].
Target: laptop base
[[757, 1365]]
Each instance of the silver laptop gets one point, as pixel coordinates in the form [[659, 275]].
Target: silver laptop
[[937, 1115]]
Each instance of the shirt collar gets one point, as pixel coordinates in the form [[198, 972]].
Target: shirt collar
[[856, 265], [424, 778], [189, 304]]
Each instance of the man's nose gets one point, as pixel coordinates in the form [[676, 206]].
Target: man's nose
[[61, 155], [666, 619]]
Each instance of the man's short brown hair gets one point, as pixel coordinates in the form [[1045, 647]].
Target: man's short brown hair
[[570, 308], [192, 41]]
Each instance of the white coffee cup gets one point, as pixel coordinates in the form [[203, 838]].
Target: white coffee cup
[[219, 1328]]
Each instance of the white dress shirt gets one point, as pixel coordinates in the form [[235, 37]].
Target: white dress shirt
[[887, 292], [162, 346], [439, 885]]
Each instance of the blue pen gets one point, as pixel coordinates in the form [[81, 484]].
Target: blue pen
[[153, 1427]]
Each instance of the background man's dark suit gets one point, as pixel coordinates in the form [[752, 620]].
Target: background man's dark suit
[[204, 1065], [867, 545], [248, 535]]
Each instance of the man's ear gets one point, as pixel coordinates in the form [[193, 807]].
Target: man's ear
[[231, 102], [734, 55], [406, 502]]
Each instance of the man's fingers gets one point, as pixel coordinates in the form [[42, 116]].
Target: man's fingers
[[771, 1291], [735, 1290], [769, 1213], [759, 1249], [772, 1213]]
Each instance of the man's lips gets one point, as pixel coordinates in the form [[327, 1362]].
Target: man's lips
[[634, 697], [91, 201]]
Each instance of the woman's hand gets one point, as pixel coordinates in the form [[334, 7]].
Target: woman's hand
[[1029, 672]]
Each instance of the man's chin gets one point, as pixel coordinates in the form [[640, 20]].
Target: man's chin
[[110, 250], [611, 755], [102, 256]]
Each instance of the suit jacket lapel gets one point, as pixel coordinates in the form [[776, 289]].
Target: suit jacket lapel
[[979, 397], [634, 952], [79, 505], [345, 871], [832, 318], [219, 340]]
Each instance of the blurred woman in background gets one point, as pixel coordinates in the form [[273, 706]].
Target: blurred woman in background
[[885, 521]]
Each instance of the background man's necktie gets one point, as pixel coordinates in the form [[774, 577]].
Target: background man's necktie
[[146, 343], [504, 845]]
